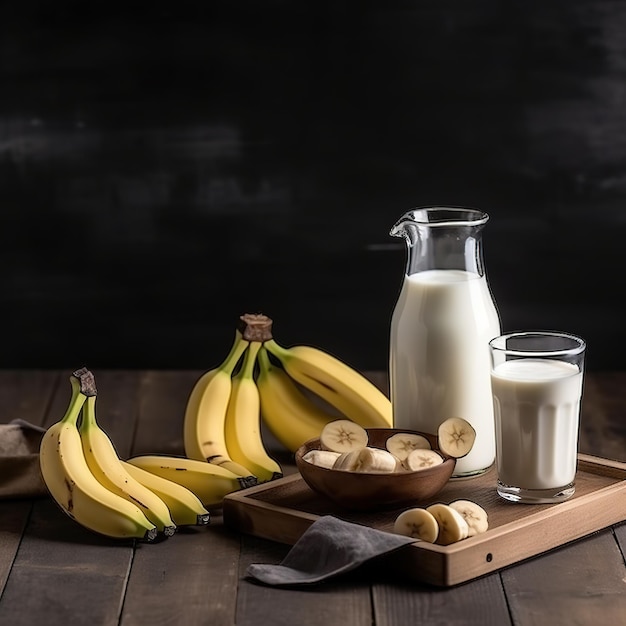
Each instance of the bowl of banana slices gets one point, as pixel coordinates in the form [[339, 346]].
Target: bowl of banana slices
[[370, 469]]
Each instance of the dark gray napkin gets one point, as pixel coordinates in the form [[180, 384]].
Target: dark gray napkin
[[20, 476], [329, 546]]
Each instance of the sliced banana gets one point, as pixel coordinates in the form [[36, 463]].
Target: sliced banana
[[417, 523], [422, 459], [452, 525], [370, 460], [343, 436], [401, 444], [474, 515], [456, 437], [323, 458]]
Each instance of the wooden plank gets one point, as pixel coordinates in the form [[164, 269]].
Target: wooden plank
[[26, 394], [199, 578], [163, 398], [342, 601], [620, 537], [582, 583], [14, 518], [65, 574], [191, 579], [479, 603]]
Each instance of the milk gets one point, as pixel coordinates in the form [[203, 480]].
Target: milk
[[536, 406], [439, 357]]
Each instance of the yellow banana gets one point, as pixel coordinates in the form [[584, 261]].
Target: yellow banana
[[185, 507], [336, 382], [243, 422], [210, 483], [205, 413], [106, 466], [289, 414], [71, 483]]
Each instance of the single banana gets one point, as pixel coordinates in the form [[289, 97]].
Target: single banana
[[242, 427], [71, 483], [185, 507], [337, 383], [401, 444], [343, 436], [205, 413], [417, 523], [456, 437], [421, 459], [474, 515], [367, 460], [106, 466], [288, 413], [452, 525], [210, 483]]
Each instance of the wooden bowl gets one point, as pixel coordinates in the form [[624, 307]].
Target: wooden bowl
[[363, 491]]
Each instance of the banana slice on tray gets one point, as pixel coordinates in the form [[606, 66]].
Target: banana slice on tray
[[456, 437], [401, 444], [417, 523], [343, 435], [422, 459], [452, 525], [474, 514], [372, 460], [441, 523]]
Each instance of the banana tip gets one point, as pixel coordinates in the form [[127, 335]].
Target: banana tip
[[248, 481]]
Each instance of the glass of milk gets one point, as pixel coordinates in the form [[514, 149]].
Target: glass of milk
[[537, 386]]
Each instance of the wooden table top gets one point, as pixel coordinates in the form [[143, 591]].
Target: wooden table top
[[52, 571]]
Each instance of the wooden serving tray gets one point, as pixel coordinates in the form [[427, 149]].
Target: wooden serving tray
[[283, 509]]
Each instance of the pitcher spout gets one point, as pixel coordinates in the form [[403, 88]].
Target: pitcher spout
[[406, 227]]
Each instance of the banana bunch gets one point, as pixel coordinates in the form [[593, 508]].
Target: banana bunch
[[123, 499], [222, 423], [294, 391]]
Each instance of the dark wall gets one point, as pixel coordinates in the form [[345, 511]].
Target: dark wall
[[162, 173]]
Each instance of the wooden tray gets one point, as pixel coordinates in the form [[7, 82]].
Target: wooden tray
[[282, 510]]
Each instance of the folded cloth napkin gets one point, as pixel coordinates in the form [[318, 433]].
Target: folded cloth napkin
[[329, 547], [20, 476]]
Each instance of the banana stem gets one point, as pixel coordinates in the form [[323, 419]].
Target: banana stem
[[264, 359], [278, 351], [247, 370], [89, 413], [76, 403], [238, 348]]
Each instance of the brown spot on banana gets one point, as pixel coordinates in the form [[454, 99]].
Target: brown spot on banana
[[139, 502], [70, 490]]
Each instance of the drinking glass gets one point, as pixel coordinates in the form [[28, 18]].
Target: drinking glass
[[537, 387]]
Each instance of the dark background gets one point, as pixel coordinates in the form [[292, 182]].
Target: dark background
[[163, 172]]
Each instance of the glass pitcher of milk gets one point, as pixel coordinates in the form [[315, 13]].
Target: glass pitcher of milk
[[444, 318]]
